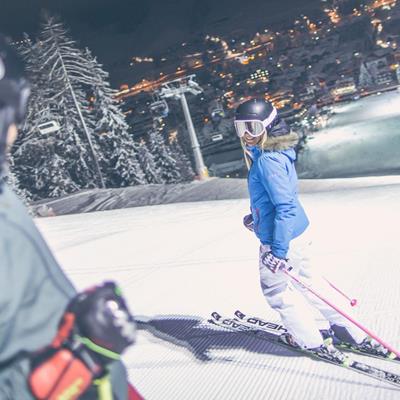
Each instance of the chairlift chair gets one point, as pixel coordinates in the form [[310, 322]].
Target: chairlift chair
[[159, 108], [48, 127]]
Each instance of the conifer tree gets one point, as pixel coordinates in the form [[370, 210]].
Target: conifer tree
[[164, 161], [118, 151], [56, 69], [182, 161], [148, 164]]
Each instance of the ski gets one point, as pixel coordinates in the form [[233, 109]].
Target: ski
[[278, 329], [349, 347], [269, 332]]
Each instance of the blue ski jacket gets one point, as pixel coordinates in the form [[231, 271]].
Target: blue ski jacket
[[272, 181]]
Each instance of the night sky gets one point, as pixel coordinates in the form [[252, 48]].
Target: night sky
[[115, 30]]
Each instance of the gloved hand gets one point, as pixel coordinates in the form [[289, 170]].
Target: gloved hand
[[103, 320], [248, 222], [94, 330], [273, 263]]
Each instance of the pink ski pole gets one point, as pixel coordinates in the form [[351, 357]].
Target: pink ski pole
[[353, 302], [363, 328]]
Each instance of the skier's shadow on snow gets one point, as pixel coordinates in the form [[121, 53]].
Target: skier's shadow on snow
[[200, 338]]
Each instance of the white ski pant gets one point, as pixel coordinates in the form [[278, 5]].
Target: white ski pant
[[296, 305]]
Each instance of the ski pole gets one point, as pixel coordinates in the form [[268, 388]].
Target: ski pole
[[348, 317], [353, 302]]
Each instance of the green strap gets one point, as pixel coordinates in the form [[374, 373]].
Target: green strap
[[104, 390], [98, 349]]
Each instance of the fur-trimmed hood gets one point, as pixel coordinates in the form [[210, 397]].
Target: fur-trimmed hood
[[279, 138], [280, 143]]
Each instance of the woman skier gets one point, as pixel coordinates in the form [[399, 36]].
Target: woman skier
[[279, 222]]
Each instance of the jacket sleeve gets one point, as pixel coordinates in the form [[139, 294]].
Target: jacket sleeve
[[275, 180]]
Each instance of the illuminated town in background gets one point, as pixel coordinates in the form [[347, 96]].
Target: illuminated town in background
[[338, 55]]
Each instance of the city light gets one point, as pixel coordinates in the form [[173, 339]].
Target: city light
[[140, 60], [333, 15], [259, 74]]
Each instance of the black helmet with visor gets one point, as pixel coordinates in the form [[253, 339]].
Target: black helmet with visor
[[254, 117]]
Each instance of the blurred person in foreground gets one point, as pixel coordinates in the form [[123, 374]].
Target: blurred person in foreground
[[55, 343]]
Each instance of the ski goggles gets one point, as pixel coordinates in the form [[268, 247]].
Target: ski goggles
[[254, 127]]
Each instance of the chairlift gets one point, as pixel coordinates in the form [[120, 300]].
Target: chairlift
[[216, 110], [193, 86], [49, 127], [159, 108], [217, 137]]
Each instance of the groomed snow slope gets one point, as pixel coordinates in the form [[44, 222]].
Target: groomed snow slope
[[177, 263]]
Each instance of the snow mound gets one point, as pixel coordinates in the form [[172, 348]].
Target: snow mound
[[211, 189]]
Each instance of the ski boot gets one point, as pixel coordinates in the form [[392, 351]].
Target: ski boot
[[326, 351], [330, 353], [289, 340], [368, 346], [371, 346]]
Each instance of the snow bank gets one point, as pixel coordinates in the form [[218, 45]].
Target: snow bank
[[212, 189]]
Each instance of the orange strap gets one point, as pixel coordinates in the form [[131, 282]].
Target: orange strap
[[64, 330]]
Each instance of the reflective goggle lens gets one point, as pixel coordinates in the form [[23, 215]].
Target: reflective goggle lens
[[253, 128]]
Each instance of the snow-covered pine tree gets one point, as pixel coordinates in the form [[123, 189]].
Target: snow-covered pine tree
[[164, 161], [12, 180], [57, 70], [64, 65], [34, 153], [118, 150], [148, 164], [182, 161], [42, 169]]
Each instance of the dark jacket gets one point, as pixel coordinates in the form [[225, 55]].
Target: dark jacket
[[34, 292]]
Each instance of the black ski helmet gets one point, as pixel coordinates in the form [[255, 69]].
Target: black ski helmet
[[258, 110]]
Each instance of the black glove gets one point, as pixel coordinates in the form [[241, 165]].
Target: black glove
[[94, 330], [102, 321]]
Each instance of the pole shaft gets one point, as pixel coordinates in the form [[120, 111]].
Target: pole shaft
[[353, 302]]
